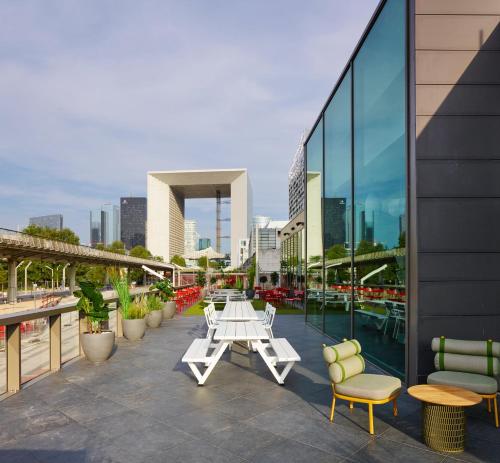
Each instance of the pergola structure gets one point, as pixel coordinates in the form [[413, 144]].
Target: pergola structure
[[16, 246]]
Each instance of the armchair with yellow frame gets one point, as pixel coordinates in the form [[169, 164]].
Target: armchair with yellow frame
[[349, 382]]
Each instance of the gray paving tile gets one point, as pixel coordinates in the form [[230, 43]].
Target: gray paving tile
[[243, 440], [383, 450], [144, 405], [291, 451], [202, 423], [127, 422], [18, 429], [148, 442], [193, 451], [87, 408]]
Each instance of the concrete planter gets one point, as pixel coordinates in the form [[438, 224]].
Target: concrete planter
[[134, 330], [154, 318], [97, 347], [169, 310]]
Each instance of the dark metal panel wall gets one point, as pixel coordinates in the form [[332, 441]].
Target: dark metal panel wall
[[457, 117]]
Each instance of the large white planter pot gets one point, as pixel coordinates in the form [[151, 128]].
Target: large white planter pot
[[154, 318], [169, 310], [134, 330], [97, 347]]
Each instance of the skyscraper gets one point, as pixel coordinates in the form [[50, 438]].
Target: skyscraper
[[54, 221], [133, 216], [296, 182], [204, 243], [104, 225], [191, 236]]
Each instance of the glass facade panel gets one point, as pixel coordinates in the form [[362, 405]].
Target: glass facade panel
[[364, 147], [379, 190], [337, 205], [35, 348], [70, 333], [292, 266], [314, 261]]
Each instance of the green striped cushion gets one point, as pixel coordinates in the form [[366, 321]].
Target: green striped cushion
[[467, 363], [459, 346], [347, 368], [341, 351]]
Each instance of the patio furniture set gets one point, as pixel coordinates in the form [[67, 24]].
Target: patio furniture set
[[467, 372], [239, 323], [186, 297]]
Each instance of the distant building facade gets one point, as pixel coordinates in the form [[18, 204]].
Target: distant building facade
[[243, 251], [54, 221], [191, 236], [204, 243], [104, 225], [167, 193], [133, 216], [296, 182]]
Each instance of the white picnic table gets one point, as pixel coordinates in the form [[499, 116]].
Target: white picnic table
[[251, 332], [238, 311]]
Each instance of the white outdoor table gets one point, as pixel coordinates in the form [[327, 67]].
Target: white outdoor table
[[238, 311], [251, 332]]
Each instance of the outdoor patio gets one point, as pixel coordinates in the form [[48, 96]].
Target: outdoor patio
[[144, 405]]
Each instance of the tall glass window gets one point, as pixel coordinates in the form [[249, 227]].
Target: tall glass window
[[356, 206], [314, 246], [337, 205], [379, 190]]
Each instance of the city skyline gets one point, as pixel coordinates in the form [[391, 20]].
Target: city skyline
[[90, 145]]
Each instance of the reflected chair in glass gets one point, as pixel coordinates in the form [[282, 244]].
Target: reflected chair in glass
[[349, 382], [471, 365]]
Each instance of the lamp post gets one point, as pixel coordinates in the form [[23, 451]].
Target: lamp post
[[64, 276], [26, 277], [52, 270]]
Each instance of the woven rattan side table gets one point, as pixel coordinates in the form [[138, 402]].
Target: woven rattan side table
[[443, 415]]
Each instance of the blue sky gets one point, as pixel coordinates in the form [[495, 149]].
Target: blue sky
[[96, 93]]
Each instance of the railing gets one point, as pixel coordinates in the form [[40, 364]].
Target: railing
[[37, 341]]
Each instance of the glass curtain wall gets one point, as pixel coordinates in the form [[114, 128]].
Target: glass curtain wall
[[338, 211], [358, 212], [292, 263], [379, 190], [314, 224]]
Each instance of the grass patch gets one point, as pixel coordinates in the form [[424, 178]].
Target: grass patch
[[281, 309]]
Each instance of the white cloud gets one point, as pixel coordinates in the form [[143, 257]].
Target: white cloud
[[98, 93]]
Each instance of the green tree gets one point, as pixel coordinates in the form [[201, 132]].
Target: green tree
[[275, 278], [178, 260], [366, 247], [203, 262], [66, 235], [141, 252], [337, 251], [118, 247], [201, 279], [251, 274]]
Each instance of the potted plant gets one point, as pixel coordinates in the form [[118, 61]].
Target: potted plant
[[263, 280], [155, 311], [97, 344], [275, 278], [166, 293], [133, 312], [201, 281]]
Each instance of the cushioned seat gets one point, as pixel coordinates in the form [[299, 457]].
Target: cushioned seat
[[366, 386], [473, 382]]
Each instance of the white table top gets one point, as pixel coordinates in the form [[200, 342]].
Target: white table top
[[238, 311], [240, 331]]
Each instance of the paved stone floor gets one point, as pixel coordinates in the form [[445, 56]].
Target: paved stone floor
[[143, 405]]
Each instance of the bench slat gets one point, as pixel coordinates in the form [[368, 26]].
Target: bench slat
[[284, 350], [197, 351]]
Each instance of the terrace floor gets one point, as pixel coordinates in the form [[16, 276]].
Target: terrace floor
[[143, 405]]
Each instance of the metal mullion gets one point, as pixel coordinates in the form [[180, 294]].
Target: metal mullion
[[353, 214]]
